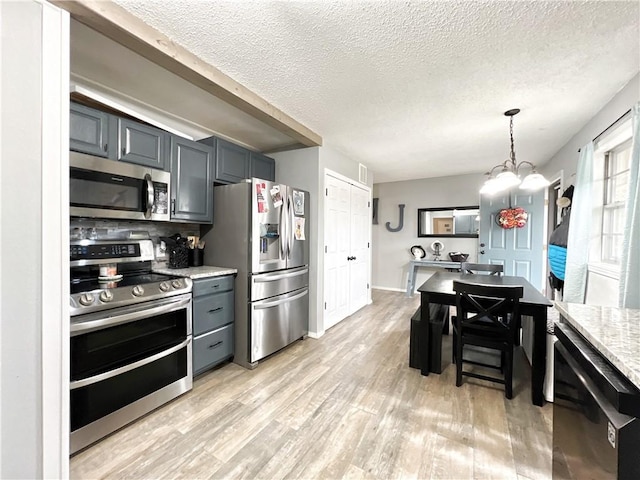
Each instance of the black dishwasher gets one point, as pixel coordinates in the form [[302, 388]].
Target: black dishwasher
[[596, 432]]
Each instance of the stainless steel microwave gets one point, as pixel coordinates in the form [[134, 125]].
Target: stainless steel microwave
[[103, 188]]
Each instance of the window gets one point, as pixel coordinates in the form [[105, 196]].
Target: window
[[615, 186], [611, 171]]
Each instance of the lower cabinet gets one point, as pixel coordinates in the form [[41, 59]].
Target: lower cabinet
[[213, 321]]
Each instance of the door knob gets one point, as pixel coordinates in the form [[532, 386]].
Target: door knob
[[481, 252], [482, 244]]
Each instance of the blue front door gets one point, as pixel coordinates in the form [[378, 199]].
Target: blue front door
[[519, 250]]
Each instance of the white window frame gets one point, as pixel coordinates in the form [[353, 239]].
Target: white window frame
[[612, 139]]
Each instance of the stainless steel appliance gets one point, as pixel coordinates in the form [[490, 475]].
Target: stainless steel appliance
[[261, 228], [131, 338], [104, 188], [595, 426]]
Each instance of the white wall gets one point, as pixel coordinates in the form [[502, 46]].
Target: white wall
[[33, 273], [304, 168], [601, 290], [391, 254]]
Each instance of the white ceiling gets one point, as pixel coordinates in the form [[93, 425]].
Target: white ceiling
[[417, 89]]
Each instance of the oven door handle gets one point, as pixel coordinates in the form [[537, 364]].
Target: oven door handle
[[85, 327], [127, 368]]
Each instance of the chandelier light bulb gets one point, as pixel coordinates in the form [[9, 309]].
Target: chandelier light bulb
[[534, 181]]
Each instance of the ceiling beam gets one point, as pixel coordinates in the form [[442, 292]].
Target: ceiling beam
[[125, 28]]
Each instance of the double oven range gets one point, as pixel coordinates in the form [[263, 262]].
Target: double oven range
[[130, 337]]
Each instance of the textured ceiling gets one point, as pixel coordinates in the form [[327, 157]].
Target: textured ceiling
[[418, 89]]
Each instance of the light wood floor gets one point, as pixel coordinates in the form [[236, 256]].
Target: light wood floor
[[344, 406]]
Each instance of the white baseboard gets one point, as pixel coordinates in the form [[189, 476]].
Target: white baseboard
[[389, 289], [315, 335]]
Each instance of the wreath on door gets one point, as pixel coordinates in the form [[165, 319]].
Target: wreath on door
[[512, 217]]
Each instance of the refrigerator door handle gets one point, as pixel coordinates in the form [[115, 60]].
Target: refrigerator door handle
[[272, 278], [263, 304], [283, 233], [291, 231]]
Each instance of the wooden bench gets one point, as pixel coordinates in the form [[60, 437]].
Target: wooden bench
[[438, 323]]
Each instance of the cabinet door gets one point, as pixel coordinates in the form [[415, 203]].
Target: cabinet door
[[232, 162], [212, 311], [88, 130], [141, 144], [212, 348], [263, 167], [191, 182]]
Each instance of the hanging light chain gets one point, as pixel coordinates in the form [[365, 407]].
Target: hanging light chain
[[513, 150]]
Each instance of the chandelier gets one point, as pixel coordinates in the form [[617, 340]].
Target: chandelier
[[509, 176]]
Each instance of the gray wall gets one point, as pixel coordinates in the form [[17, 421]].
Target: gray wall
[[304, 168], [391, 254], [601, 290], [567, 157]]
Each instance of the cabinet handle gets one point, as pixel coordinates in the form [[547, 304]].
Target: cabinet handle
[[481, 252], [173, 207], [217, 285], [217, 344], [124, 151], [104, 147], [215, 310]]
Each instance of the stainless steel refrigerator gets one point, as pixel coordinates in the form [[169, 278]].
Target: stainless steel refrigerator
[[261, 228]]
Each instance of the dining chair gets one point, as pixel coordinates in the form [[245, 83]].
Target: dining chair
[[492, 269], [486, 317]]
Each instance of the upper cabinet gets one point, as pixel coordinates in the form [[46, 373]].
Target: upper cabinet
[[191, 181], [89, 130], [142, 144], [234, 163], [263, 167]]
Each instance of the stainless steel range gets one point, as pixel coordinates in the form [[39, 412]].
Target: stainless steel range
[[130, 337]]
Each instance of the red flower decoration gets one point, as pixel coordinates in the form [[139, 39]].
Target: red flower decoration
[[512, 217]]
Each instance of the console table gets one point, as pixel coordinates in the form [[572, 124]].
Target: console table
[[414, 264]]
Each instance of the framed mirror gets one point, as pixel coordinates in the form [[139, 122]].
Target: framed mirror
[[449, 221]]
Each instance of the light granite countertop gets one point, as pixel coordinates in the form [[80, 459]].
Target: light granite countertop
[[615, 332], [204, 271]]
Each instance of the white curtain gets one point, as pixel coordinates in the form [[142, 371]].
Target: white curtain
[[575, 277], [629, 296]]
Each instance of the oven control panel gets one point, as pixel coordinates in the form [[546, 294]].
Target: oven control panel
[[104, 252], [95, 252]]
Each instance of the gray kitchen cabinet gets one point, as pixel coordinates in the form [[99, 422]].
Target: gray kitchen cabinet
[[263, 167], [232, 162], [191, 181], [213, 321], [88, 130], [142, 144]]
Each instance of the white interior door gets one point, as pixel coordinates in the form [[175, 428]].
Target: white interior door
[[347, 249], [359, 249], [336, 265]]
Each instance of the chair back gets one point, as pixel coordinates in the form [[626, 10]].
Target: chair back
[[491, 309], [492, 269]]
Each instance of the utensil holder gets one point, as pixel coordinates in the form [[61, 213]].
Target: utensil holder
[[195, 256]]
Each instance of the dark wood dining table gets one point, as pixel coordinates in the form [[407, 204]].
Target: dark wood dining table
[[439, 289]]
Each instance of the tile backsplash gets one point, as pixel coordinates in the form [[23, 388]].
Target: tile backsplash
[[105, 229]]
